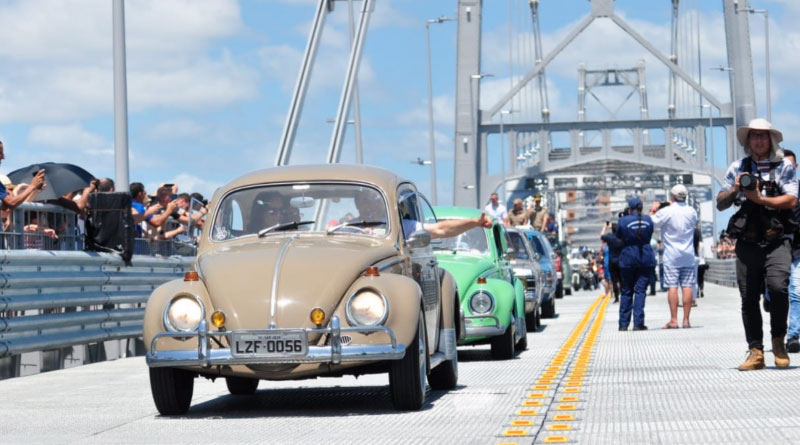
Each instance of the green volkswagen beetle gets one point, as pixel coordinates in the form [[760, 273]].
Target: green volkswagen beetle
[[492, 299]]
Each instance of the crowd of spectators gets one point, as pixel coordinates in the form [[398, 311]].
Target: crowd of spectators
[[159, 217]]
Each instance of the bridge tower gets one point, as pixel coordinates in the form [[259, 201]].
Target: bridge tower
[[682, 151]]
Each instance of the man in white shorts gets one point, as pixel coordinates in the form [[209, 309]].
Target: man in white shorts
[[677, 222]]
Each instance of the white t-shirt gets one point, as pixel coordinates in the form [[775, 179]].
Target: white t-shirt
[[499, 213], [677, 223]]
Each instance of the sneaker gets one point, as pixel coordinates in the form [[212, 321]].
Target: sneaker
[[640, 328], [623, 328], [779, 350], [793, 345], [754, 360]]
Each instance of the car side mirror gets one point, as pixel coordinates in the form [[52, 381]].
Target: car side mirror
[[536, 256], [419, 239], [511, 254]]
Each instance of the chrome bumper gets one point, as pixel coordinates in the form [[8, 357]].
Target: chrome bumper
[[334, 353], [530, 302], [483, 331]]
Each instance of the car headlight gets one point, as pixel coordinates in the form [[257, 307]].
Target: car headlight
[[183, 314], [520, 272], [367, 308], [481, 302]]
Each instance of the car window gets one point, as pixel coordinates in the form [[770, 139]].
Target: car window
[[314, 206], [427, 210], [516, 242], [473, 241], [537, 245], [410, 215]]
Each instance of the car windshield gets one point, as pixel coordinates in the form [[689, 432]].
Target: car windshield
[[472, 241], [301, 207], [516, 242]]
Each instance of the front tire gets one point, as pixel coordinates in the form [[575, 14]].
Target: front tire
[[172, 390], [531, 324], [241, 386], [503, 345], [408, 376], [560, 290], [522, 344], [549, 308]]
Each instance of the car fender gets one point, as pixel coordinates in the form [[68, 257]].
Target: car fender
[[404, 298], [519, 289], [504, 298], [157, 303]]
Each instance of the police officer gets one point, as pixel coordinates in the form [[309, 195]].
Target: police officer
[[763, 249], [636, 262]]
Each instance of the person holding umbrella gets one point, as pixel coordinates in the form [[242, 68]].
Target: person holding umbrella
[[11, 202]]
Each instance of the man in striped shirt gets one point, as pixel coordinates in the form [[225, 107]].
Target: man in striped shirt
[[766, 256]]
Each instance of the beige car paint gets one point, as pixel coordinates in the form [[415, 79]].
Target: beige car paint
[[317, 270]]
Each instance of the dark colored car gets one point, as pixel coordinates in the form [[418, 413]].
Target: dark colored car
[[545, 257]]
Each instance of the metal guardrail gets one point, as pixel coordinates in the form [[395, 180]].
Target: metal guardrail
[[722, 272], [51, 299]]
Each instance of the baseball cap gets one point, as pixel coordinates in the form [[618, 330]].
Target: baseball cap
[[680, 192], [518, 201], [635, 202]]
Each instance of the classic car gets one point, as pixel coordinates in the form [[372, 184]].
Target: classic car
[[307, 271], [525, 264], [492, 298], [545, 255]]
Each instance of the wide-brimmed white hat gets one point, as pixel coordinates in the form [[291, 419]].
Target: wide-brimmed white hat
[[763, 125]]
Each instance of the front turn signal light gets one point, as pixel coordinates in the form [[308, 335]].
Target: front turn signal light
[[317, 316], [191, 276], [218, 319], [372, 271], [482, 280]]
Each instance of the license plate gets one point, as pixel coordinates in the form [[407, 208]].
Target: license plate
[[270, 344]]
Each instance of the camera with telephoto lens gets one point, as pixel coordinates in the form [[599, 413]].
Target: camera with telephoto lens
[[663, 204], [748, 181]]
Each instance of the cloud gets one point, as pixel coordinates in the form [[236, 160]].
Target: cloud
[[443, 112], [73, 137]]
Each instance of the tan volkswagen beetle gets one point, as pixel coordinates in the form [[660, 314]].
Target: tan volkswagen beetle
[[307, 271]]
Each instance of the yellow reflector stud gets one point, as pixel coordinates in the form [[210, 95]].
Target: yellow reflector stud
[[544, 382], [559, 427], [569, 399], [563, 417], [537, 395], [532, 403], [317, 316], [521, 422], [556, 439], [218, 319], [572, 390], [566, 407], [510, 433], [527, 412], [541, 387]]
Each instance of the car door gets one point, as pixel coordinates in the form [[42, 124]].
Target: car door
[[423, 261]]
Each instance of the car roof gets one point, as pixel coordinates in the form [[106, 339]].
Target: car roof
[[456, 212], [383, 178]]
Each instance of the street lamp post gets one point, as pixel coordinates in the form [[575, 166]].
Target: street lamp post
[[732, 80], [766, 54], [503, 154], [473, 111], [713, 166], [432, 146]]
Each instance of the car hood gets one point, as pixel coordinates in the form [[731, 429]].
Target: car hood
[[314, 271], [464, 268]]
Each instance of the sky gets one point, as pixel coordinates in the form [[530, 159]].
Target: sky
[[209, 82]]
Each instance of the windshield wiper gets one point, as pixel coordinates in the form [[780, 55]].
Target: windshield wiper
[[284, 226], [356, 224]]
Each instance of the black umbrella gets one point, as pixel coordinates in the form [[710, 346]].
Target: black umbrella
[[59, 178]]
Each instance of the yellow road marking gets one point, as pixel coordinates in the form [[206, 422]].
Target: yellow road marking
[[569, 399], [527, 412], [559, 427], [510, 433], [556, 439], [563, 417], [565, 407], [521, 422], [532, 403]]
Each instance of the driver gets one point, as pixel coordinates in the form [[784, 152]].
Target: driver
[[273, 211]]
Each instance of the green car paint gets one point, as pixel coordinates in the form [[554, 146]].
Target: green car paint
[[479, 253]]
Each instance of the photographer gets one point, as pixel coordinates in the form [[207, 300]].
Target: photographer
[[766, 186], [677, 222], [614, 249]]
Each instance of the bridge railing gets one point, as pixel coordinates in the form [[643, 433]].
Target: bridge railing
[[54, 301], [722, 272]]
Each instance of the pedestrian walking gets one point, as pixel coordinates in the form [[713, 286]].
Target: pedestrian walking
[[764, 183], [636, 262], [677, 221]]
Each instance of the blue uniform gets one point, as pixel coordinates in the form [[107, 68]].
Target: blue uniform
[[636, 262]]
